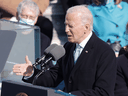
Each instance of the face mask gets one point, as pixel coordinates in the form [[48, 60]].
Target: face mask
[[26, 21]]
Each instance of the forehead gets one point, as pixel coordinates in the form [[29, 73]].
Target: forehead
[[27, 10], [73, 18]]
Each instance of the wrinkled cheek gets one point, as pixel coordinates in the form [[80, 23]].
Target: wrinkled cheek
[[71, 39]]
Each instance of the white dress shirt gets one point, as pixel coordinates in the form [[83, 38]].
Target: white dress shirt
[[82, 45]]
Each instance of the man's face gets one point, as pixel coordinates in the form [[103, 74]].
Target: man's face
[[29, 15], [74, 28]]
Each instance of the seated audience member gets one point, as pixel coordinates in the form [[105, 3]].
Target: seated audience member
[[8, 10], [109, 20], [27, 13], [121, 87], [116, 47], [123, 50], [89, 66]]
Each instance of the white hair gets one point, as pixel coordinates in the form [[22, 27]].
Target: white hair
[[28, 4], [85, 14]]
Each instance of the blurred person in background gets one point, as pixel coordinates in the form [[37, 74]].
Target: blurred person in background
[[124, 49], [27, 13], [8, 10], [109, 21], [121, 86]]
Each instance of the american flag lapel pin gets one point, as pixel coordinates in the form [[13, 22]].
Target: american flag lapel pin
[[86, 51]]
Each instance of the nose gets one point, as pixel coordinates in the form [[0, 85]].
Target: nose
[[66, 29]]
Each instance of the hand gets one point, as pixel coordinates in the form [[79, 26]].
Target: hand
[[118, 2], [25, 69]]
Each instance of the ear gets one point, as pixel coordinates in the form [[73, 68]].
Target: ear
[[87, 27]]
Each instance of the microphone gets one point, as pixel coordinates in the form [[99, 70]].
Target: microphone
[[46, 51], [55, 54]]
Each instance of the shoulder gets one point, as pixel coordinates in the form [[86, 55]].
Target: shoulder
[[44, 22], [122, 64], [68, 45], [44, 37], [100, 43], [43, 19], [45, 41], [122, 60], [102, 49], [121, 57]]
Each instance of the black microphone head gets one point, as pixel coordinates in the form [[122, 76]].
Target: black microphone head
[[57, 52], [48, 49]]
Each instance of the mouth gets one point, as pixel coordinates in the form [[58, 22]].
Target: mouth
[[69, 36]]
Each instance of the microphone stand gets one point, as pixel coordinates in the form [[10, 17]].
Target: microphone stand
[[38, 61], [43, 69], [44, 63], [36, 77]]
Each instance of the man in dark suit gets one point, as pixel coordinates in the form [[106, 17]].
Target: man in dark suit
[[93, 73], [121, 87]]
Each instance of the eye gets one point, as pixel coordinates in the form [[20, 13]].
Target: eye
[[23, 16], [31, 17], [70, 26]]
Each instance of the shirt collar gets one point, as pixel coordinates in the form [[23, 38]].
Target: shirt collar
[[84, 42], [110, 5]]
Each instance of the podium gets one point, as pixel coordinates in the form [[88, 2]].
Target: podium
[[27, 42], [26, 89], [7, 39]]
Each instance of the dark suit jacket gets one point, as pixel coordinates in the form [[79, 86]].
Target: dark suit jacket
[[94, 73], [46, 26], [45, 42], [121, 87]]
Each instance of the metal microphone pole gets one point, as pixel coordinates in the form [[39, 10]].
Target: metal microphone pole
[[43, 69]]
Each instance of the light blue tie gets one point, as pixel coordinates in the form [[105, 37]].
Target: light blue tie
[[77, 52]]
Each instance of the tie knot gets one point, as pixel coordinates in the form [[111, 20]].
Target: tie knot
[[78, 46], [77, 52]]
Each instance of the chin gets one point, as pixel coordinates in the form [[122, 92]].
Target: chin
[[71, 41]]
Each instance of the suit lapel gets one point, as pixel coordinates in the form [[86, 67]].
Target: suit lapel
[[85, 53], [70, 61]]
